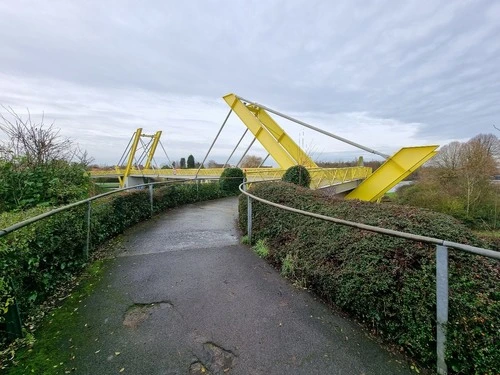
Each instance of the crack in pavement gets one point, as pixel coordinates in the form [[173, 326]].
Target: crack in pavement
[[219, 361]]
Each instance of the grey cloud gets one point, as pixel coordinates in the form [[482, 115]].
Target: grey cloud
[[117, 65]]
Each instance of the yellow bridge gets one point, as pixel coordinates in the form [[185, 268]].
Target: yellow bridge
[[359, 181], [342, 178]]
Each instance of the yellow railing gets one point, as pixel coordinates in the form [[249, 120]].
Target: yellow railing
[[320, 177]]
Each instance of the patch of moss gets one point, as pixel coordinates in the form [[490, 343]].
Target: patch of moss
[[60, 331]]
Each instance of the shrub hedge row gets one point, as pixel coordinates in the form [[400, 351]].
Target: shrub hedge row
[[37, 259], [385, 282]]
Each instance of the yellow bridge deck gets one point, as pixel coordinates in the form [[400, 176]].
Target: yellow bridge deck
[[320, 177], [372, 187]]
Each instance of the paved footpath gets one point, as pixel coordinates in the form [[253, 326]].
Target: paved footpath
[[184, 297]]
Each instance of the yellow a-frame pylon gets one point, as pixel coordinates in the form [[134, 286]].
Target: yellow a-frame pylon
[[287, 153], [150, 149], [272, 137]]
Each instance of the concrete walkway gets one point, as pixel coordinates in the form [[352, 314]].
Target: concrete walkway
[[184, 297]]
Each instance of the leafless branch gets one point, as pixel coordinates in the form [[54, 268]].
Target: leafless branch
[[37, 142]]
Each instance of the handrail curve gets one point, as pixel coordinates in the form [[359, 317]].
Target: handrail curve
[[390, 232]]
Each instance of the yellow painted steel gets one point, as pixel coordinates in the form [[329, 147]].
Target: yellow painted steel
[[130, 162], [393, 171], [156, 139], [287, 153], [325, 177], [320, 177], [263, 135], [283, 138]]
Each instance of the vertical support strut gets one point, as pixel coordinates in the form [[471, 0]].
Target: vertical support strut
[[249, 215], [87, 241], [150, 186], [441, 306], [14, 325]]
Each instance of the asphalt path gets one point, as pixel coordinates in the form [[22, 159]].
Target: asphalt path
[[183, 296]]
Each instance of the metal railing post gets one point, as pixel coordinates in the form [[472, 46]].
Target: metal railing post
[[14, 325], [441, 306], [151, 198], [87, 241], [249, 215]]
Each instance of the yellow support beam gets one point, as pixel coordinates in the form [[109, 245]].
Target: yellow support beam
[[393, 171], [156, 139], [133, 149], [284, 139], [118, 171], [263, 135]]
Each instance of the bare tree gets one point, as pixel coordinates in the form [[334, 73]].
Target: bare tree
[[251, 161], [37, 142], [449, 156], [214, 164], [477, 165], [82, 157]]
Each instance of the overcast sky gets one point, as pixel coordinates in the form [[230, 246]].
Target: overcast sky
[[385, 74]]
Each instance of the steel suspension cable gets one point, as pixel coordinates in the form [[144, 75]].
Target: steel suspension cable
[[212, 145], [144, 150], [230, 156], [165, 153], [126, 149], [315, 128], [246, 151], [263, 161]]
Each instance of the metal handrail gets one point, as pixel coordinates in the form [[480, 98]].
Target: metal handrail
[[390, 232], [441, 261], [3, 232], [34, 219]]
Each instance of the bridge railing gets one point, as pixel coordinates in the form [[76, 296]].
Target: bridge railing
[[87, 202], [442, 247], [320, 177], [160, 172]]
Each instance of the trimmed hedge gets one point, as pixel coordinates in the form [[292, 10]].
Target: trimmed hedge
[[385, 282], [37, 259], [231, 179], [298, 175]]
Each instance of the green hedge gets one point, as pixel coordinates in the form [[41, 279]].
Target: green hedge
[[231, 179], [298, 175], [56, 182], [385, 282], [36, 260]]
